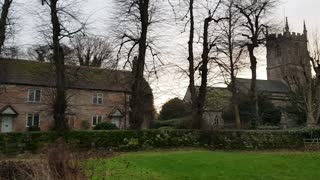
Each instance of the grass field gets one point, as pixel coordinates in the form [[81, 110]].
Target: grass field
[[208, 165]]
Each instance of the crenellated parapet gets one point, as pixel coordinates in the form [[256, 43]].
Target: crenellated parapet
[[287, 36], [287, 54]]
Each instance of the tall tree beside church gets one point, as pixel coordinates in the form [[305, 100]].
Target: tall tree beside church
[[191, 72], [198, 96], [312, 94], [59, 31], [256, 14], [208, 44], [231, 48], [135, 20], [6, 5]]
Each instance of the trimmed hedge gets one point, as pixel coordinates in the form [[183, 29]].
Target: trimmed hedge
[[106, 126], [148, 139]]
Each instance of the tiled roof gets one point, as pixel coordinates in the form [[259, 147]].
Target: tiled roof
[[263, 85], [35, 73]]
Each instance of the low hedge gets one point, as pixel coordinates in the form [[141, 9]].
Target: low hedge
[[148, 139]]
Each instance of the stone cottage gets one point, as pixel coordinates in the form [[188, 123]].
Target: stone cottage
[[94, 95]]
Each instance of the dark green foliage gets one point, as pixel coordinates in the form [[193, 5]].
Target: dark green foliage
[[164, 123], [174, 108], [148, 139], [181, 123], [20, 142], [106, 126], [269, 114], [296, 108]]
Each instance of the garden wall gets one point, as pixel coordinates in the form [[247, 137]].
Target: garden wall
[[149, 139]]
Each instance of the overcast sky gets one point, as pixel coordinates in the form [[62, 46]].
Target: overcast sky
[[171, 83]]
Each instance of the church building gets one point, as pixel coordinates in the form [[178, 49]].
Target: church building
[[287, 65]]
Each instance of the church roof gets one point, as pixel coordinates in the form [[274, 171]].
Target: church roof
[[263, 85], [34, 73]]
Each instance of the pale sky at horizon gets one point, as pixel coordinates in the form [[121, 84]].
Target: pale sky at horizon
[[172, 84]]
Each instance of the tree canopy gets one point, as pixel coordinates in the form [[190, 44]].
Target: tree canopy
[[174, 108]]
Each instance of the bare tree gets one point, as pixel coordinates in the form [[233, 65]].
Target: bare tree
[[59, 31], [207, 46], [198, 95], [311, 86], [44, 53], [231, 47], [11, 52], [92, 51], [135, 20], [4, 21], [41, 52], [191, 72], [255, 14]]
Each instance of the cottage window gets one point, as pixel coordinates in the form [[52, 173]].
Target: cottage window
[[96, 119], [97, 98], [33, 120], [34, 95]]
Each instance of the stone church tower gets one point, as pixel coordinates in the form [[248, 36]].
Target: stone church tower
[[288, 56]]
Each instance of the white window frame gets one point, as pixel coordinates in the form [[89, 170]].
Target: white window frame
[[33, 113], [97, 96], [34, 96], [96, 116]]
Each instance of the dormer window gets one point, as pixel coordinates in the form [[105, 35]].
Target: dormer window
[[34, 95], [97, 99]]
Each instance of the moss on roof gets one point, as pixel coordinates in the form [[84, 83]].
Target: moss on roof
[[43, 74], [217, 99]]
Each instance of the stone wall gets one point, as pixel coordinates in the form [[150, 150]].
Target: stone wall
[[286, 55]]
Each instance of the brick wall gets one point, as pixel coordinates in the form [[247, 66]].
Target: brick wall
[[80, 108]]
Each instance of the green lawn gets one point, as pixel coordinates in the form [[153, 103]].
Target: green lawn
[[208, 165]]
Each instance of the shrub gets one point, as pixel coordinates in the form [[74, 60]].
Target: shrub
[[58, 163], [174, 108], [105, 126], [10, 170], [181, 123], [62, 164], [148, 139], [269, 114]]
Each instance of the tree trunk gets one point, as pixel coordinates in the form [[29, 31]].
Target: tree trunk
[[60, 104], [317, 101], [198, 123], [192, 87], [3, 22], [234, 99], [253, 89], [136, 102], [311, 123]]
